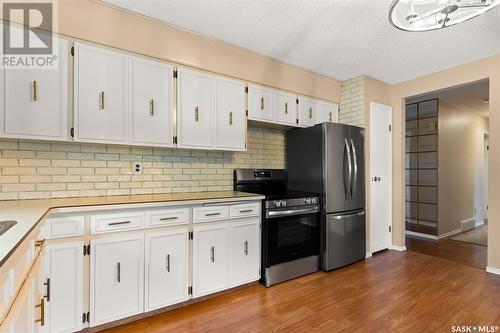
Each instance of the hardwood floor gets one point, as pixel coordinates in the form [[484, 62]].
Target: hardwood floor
[[464, 253], [389, 292]]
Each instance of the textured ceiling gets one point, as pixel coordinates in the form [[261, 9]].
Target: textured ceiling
[[338, 38]]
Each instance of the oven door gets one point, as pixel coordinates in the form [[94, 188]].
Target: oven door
[[290, 233]]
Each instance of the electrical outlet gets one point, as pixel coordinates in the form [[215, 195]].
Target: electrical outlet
[[137, 168]]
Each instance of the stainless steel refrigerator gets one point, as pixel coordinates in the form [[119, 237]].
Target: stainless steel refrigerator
[[328, 159]]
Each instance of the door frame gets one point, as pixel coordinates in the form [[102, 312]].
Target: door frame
[[390, 110], [486, 157]]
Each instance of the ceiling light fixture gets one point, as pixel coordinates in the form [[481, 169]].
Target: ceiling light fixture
[[425, 15]]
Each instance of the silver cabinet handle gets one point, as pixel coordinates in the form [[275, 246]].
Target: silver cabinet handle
[[168, 263], [246, 210], [231, 118], [119, 223], [196, 114], [118, 272], [310, 113], [47, 285], [245, 248], [101, 100], [35, 94], [262, 103], [354, 183], [212, 254], [212, 214], [286, 107], [152, 107], [169, 218]]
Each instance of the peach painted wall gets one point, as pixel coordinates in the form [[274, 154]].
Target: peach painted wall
[[100, 23], [474, 71]]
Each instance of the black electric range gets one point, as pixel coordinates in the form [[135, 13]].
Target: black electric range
[[290, 224]]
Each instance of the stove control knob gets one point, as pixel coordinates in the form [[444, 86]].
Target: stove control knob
[[277, 203], [283, 203], [308, 201]]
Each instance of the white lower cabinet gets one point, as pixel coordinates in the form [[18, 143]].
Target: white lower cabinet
[[210, 259], [116, 278], [166, 268], [63, 287], [245, 252]]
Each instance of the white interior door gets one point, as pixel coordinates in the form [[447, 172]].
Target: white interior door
[[380, 176]]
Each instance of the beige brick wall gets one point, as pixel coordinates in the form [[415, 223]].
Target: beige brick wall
[[40, 169], [351, 108]]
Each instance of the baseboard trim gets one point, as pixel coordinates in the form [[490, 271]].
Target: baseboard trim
[[397, 248], [493, 270], [479, 223], [368, 255], [418, 234], [450, 233]]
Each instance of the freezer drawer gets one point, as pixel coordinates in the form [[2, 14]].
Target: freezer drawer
[[344, 239]]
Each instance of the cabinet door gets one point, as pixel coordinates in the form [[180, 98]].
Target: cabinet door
[[286, 109], [260, 103], [166, 268], [308, 112], [210, 259], [245, 252], [329, 112], [152, 103], [63, 284], [35, 103], [230, 128], [195, 109], [116, 278], [100, 93]]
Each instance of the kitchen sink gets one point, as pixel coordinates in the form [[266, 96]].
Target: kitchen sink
[[6, 225]]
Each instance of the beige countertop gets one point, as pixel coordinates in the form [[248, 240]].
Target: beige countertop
[[28, 213]]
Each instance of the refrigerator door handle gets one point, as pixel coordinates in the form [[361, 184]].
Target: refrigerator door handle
[[347, 184], [354, 183]]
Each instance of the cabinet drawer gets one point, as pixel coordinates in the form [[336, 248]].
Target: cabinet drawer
[[116, 222], [244, 210], [165, 217], [60, 227], [210, 213]]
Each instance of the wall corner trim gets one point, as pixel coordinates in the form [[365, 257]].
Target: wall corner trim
[[493, 270], [397, 248], [368, 255]]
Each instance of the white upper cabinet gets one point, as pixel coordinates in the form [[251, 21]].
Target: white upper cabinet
[[285, 111], [100, 95], [195, 112], [260, 103], [308, 112], [329, 112], [35, 104], [152, 103], [230, 124]]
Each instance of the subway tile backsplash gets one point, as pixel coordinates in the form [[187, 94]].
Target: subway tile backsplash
[[41, 169]]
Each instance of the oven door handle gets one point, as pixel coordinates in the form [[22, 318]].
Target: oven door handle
[[280, 213]]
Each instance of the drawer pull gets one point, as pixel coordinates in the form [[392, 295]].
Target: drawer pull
[[119, 223], [245, 248], [101, 100], [212, 214], [35, 95], [152, 107], [212, 254], [169, 218], [168, 263], [246, 210], [42, 312], [118, 272], [40, 243], [47, 285]]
